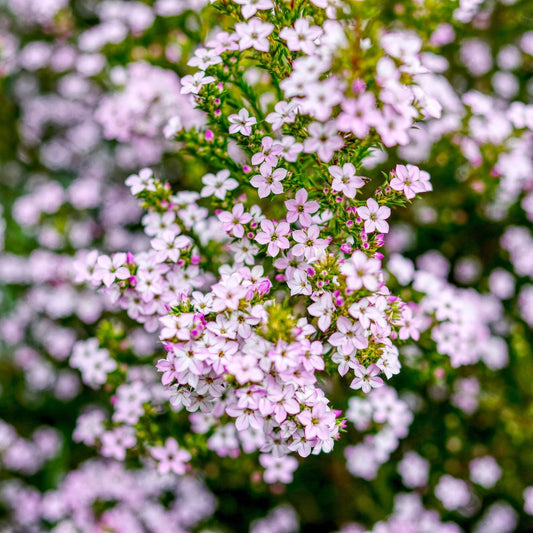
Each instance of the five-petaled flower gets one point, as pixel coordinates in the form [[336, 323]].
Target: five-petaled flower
[[345, 180], [170, 457], [269, 181], [367, 378], [274, 235], [375, 216], [300, 209], [241, 122], [218, 185], [254, 34]]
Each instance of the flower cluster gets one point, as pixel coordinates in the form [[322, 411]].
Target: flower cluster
[[238, 355]]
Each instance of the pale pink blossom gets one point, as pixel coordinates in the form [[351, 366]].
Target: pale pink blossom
[[278, 469], [193, 84], [270, 150], [300, 209], [302, 37], [309, 244], [375, 216], [233, 222], [274, 235], [218, 184], [170, 458], [366, 379], [407, 179], [254, 34], [284, 113], [345, 180], [361, 271], [250, 7], [269, 181], [241, 122], [323, 140]]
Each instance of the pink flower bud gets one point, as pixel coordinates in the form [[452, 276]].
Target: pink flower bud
[[264, 287], [346, 248], [358, 86], [440, 373]]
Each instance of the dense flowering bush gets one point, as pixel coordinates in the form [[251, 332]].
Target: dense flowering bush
[[244, 234]]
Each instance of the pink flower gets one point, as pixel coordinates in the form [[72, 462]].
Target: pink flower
[[168, 245], [144, 181], [233, 222], [407, 179], [110, 268], [349, 336], [366, 313], [93, 362], [193, 84], [283, 402], [358, 115], [452, 492], [250, 7], [245, 416], [274, 236], [278, 468], [393, 127], [344, 362], [374, 216], [167, 368], [290, 148], [300, 209], [319, 422], [323, 308], [170, 457], [309, 245], [187, 361], [282, 357], [228, 294], [245, 368], [218, 185], [323, 140], [410, 325], [269, 154], [345, 180], [361, 271], [320, 97], [366, 378], [253, 34], [284, 113], [116, 441], [176, 326], [204, 57], [299, 284], [269, 181], [241, 122], [302, 37], [389, 363]]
